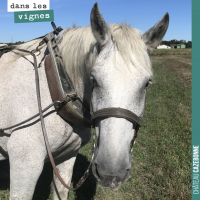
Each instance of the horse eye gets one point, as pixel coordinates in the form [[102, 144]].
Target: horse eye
[[149, 82], [94, 82]]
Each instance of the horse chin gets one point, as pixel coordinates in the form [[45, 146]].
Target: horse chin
[[110, 182], [111, 188]]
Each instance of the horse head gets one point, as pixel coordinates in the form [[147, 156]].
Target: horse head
[[121, 74]]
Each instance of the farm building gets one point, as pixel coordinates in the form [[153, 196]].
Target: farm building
[[162, 46], [177, 46], [3, 45]]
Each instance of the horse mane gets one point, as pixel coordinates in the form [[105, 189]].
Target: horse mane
[[80, 49], [131, 46]]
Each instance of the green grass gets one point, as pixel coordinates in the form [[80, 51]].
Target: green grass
[[161, 166], [161, 52], [165, 139], [4, 195]]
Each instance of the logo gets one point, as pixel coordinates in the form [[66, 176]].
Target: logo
[[30, 11]]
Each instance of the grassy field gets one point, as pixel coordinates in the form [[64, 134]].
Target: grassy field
[[161, 166], [161, 52]]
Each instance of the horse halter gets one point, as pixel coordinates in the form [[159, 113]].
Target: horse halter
[[118, 113]]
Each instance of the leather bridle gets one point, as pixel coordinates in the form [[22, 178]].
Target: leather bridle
[[118, 113]]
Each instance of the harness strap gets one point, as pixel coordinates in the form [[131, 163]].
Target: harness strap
[[34, 116], [45, 134], [81, 181], [67, 99], [117, 112]]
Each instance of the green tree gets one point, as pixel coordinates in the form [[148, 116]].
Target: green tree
[[189, 44], [174, 41], [182, 41]]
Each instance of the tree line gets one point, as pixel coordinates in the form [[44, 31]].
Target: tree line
[[16, 43], [187, 44]]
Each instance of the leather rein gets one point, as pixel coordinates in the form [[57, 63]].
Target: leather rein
[[103, 113]]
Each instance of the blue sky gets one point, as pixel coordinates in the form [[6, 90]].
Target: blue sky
[[141, 14]]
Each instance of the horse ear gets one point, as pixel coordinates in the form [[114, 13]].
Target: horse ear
[[155, 34], [99, 27]]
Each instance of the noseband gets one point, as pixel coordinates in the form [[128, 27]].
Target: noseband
[[118, 113]]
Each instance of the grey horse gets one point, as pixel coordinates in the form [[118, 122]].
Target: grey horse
[[114, 57]]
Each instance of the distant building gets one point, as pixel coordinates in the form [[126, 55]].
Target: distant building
[[1, 51], [177, 46], [163, 46], [3, 45]]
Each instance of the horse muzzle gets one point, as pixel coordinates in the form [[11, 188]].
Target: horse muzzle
[[111, 181]]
